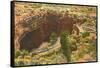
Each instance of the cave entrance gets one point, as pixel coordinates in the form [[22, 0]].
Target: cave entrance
[[35, 38], [31, 40]]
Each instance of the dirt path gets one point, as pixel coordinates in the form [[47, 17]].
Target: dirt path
[[44, 50]]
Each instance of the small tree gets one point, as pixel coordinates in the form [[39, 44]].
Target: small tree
[[65, 45], [53, 38]]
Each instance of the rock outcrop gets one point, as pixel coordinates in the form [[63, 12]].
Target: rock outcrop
[[37, 26]]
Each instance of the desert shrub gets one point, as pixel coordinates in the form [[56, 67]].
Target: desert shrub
[[65, 46], [73, 43], [17, 53], [85, 34], [53, 38], [24, 52], [19, 61]]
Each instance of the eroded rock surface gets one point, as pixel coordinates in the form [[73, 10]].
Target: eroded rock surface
[[35, 27]]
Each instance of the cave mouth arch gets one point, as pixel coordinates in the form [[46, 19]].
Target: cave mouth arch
[[30, 40], [34, 38]]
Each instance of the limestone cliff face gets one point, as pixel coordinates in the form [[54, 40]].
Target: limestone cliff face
[[36, 28]]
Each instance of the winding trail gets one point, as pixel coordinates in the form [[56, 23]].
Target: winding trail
[[52, 48]]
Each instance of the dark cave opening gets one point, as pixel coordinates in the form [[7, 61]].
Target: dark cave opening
[[31, 40]]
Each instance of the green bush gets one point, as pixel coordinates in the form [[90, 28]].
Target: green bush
[[85, 34], [73, 43], [17, 53], [53, 38], [24, 52], [65, 46]]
